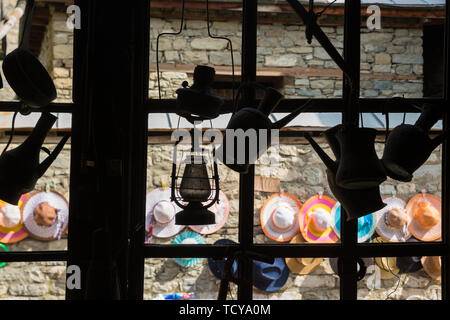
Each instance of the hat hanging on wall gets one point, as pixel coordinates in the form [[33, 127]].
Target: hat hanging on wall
[[356, 202], [361, 267], [11, 222], [432, 266], [409, 264], [409, 146], [424, 210], [221, 209], [366, 224], [160, 214], [392, 220], [387, 265], [279, 216], [217, 265], [270, 277], [316, 221], [188, 237], [45, 215], [302, 265], [416, 297]]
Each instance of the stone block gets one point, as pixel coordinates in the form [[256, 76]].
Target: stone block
[[382, 58], [322, 84], [208, 44], [407, 59], [195, 57], [62, 51], [286, 60]]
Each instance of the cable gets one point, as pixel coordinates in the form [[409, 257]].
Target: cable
[[12, 131]]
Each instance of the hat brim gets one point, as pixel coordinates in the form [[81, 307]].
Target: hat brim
[[275, 284], [57, 201], [221, 210], [385, 231], [266, 222], [314, 202], [188, 262], [295, 265], [416, 229], [160, 231], [386, 273], [18, 232], [435, 275], [363, 234]]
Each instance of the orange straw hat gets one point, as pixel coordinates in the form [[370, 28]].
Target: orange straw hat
[[316, 220], [302, 265], [279, 216], [432, 266], [424, 210]]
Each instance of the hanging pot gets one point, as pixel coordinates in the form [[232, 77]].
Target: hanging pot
[[359, 166], [197, 102], [25, 73], [20, 168], [409, 146], [234, 151], [356, 202]]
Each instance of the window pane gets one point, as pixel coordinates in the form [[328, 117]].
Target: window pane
[[39, 220], [33, 281], [401, 278]]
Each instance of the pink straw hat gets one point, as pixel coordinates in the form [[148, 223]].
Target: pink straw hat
[[424, 210], [160, 214], [279, 216], [11, 227], [221, 211], [316, 220]]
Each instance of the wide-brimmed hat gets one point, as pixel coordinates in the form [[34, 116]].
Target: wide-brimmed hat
[[366, 224], [417, 297], [316, 221], [279, 216], [188, 237], [217, 265], [45, 215], [366, 262], [302, 265], [160, 214], [221, 210], [387, 265], [432, 266], [11, 222], [409, 264], [424, 210], [270, 277], [392, 220]]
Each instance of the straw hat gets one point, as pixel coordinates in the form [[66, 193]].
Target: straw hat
[[416, 297], [45, 215], [11, 227], [188, 237], [302, 265], [161, 214], [388, 265], [424, 211], [432, 266], [366, 223], [221, 210], [316, 221], [392, 220], [279, 216]]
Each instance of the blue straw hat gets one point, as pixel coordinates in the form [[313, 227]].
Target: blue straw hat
[[188, 237], [366, 224]]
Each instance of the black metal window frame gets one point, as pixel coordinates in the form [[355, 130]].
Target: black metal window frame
[[348, 249]]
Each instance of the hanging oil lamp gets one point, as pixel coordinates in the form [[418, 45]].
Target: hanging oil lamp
[[198, 189]]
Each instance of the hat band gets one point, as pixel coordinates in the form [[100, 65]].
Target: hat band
[[278, 228]]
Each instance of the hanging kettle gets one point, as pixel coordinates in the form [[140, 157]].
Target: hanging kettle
[[359, 165], [20, 168], [235, 150], [25, 73], [409, 146], [356, 202]]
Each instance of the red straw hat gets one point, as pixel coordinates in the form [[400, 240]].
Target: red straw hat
[[424, 210], [278, 216], [316, 220]]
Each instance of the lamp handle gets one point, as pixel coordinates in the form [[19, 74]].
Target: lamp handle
[[173, 176]]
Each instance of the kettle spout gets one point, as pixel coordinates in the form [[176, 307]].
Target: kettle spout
[[329, 163], [283, 122], [44, 165]]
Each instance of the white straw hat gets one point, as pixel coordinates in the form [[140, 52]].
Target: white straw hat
[[32, 212], [160, 214], [392, 220]]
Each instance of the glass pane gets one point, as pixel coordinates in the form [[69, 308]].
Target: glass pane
[[401, 278], [33, 280], [402, 50], [296, 279], [39, 220], [51, 42], [166, 279]]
